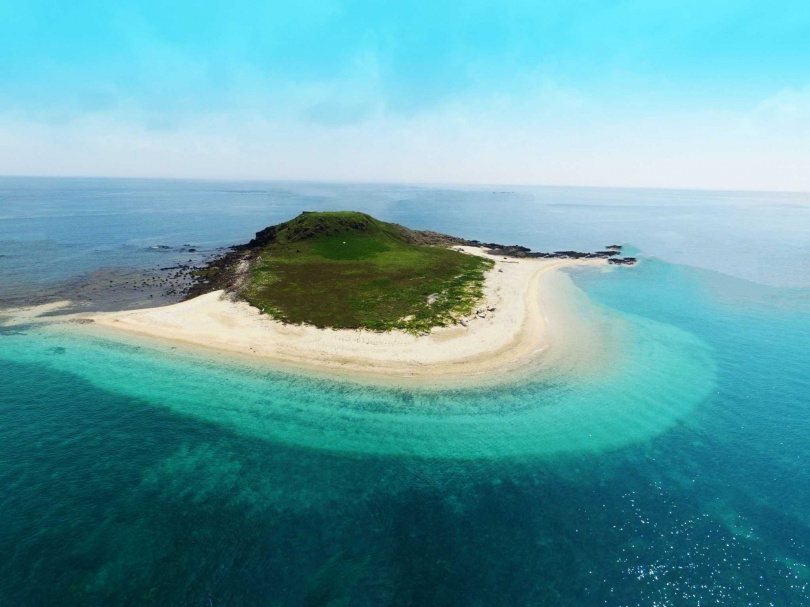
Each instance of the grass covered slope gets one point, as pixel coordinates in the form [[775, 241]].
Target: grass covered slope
[[349, 270]]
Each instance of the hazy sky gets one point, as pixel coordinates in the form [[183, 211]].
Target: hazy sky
[[688, 93]]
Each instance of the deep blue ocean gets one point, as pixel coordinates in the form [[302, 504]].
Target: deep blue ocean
[[677, 473]]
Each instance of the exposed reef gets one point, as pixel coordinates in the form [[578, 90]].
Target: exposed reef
[[524, 252]]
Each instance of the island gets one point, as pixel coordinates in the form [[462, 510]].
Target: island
[[344, 292], [348, 270]]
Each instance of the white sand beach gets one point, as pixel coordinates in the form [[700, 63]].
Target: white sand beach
[[506, 334]]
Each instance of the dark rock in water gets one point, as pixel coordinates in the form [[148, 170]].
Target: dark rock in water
[[524, 252], [192, 250], [623, 261], [114, 288], [614, 247], [504, 250]]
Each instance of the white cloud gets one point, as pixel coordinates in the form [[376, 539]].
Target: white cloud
[[789, 107], [553, 136]]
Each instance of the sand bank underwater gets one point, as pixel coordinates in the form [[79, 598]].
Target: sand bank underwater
[[607, 379]]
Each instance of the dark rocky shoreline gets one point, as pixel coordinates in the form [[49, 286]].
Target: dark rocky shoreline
[[112, 289]]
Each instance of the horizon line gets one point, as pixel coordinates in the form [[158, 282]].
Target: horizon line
[[424, 184]]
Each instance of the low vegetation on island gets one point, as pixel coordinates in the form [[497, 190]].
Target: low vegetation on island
[[349, 270]]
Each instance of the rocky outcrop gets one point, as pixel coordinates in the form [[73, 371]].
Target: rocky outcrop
[[524, 252], [225, 272], [430, 238], [263, 237]]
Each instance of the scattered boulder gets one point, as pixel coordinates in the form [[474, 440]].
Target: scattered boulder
[[623, 261]]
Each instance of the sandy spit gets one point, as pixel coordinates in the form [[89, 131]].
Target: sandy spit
[[506, 335]]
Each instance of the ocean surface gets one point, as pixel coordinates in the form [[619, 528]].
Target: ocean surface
[[659, 456]]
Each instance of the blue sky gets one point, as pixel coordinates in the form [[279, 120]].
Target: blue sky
[[672, 94]]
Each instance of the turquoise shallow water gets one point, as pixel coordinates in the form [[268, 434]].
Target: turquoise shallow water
[[665, 466], [645, 376]]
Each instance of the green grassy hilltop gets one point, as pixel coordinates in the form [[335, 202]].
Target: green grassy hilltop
[[349, 270]]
